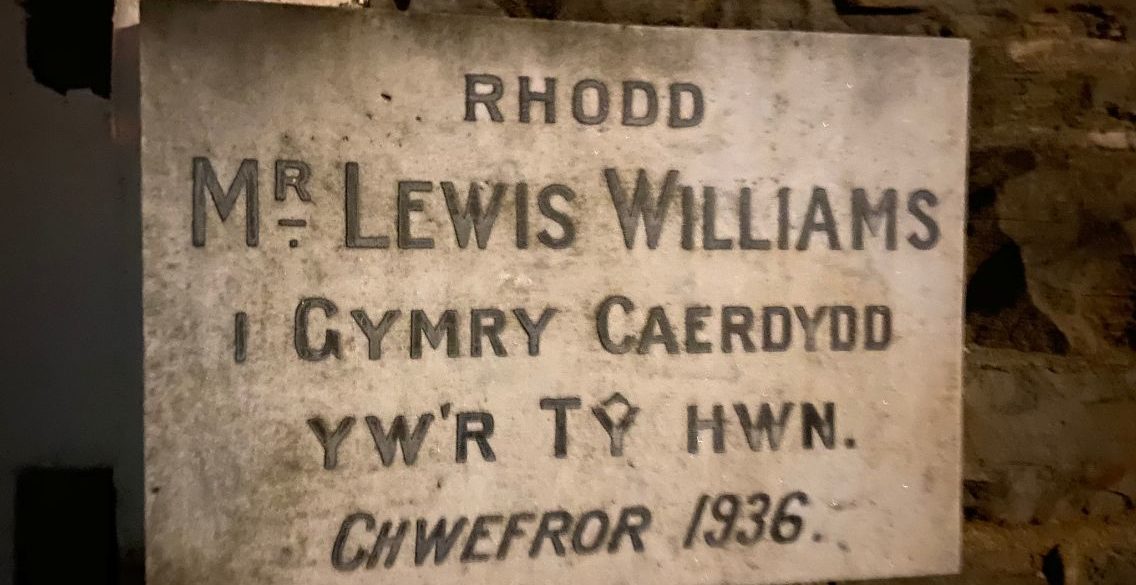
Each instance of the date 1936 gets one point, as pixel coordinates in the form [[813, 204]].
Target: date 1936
[[747, 520]]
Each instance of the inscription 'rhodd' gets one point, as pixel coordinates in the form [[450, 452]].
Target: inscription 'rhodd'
[[591, 101]]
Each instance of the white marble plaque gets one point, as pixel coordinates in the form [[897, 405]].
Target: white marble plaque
[[435, 299]]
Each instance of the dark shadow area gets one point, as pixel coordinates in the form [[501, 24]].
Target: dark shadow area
[[1053, 567], [65, 527], [999, 312], [858, 8], [69, 44]]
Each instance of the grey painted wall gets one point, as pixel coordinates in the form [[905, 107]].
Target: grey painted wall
[[71, 336]]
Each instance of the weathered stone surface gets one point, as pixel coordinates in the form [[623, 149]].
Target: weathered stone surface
[[240, 489], [1092, 552], [1047, 437]]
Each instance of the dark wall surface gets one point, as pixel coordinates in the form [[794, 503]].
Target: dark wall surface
[[71, 347]]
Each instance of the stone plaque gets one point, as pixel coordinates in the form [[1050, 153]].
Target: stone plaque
[[443, 300]]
